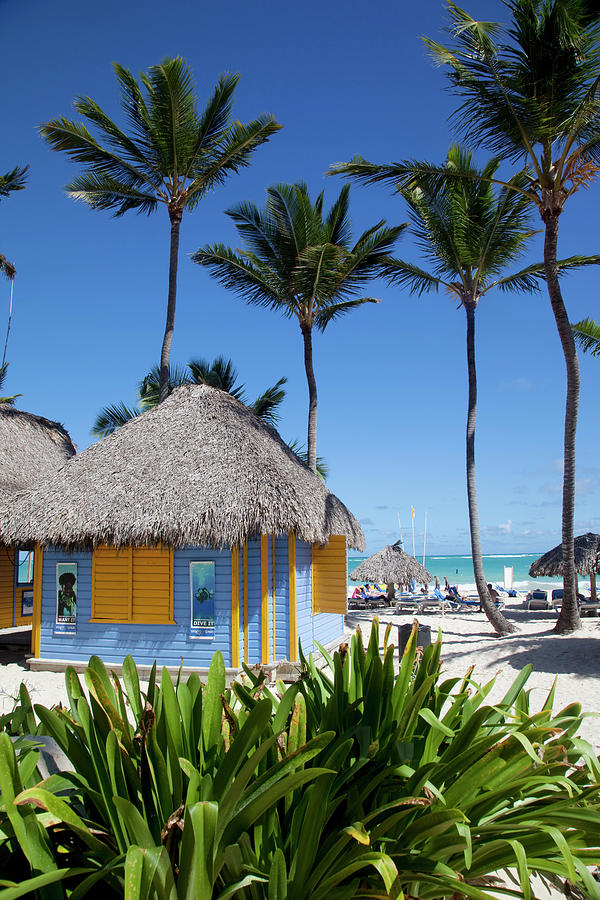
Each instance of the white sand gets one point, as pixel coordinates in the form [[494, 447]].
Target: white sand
[[468, 639]]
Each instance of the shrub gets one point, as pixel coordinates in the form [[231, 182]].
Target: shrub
[[356, 781]]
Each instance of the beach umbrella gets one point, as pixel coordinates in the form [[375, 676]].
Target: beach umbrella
[[391, 566], [587, 560]]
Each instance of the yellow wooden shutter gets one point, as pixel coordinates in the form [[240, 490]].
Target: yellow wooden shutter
[[330, 575], [152, 585], [7, 585], [111, 584]]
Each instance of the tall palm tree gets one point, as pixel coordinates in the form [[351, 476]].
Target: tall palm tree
[[15, 180], [531, 96], [302, 263], [469, 233], [171, 154], [220, 373]]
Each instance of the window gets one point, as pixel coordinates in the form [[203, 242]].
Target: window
[[24, 566], [330, 576], [133, 584]]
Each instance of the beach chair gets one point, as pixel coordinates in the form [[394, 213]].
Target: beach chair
[[537, 600], [438, 601], [407, 601], [586, 606]]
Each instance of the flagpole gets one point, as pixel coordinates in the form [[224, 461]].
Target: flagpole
[[412, 513], [425, 538], [10, 306], [400, 529]]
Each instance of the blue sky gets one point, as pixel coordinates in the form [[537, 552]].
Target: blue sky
[[342, 78]]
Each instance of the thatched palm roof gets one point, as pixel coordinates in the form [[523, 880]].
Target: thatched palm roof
[[199, 469], [391, 566], [31, 450], [587, 558]]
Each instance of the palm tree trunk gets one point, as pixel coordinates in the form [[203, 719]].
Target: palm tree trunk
[[165, 352], [500, 624], [568, 620], [312, 398]]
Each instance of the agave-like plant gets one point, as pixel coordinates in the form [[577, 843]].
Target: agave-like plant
[[358, 780]]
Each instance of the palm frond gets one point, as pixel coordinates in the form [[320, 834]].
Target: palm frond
[[267, 404], [112, 417], [335, 310], [15, 180], [587, 336], [405, 274], [256, 284], [100, 191], [149, 386], [233, 153], [219, 373], [301, 452], [9, 401]]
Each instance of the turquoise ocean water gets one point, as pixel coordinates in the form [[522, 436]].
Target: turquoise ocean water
[[459, 569]]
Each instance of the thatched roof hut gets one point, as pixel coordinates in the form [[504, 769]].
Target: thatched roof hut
[[587, 558], [31, 450], [200, 469], [391, 566]]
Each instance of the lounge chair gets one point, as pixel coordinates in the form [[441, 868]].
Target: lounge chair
[[537, 600], [586, 606], [437, 601]]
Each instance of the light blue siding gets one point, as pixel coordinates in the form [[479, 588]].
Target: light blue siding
[[171, 644], [304, 595]]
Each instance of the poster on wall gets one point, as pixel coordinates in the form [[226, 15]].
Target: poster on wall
[[26, 603], [202, 587], [66, 598]]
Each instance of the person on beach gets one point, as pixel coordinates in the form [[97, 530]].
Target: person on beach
[[437, 583], [494, 595], [446, 584], [373, 593]]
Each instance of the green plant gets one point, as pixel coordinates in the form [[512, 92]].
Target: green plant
[[356, 781], [301, 263]]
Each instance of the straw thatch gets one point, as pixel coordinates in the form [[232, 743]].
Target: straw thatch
[[200, 469], [31, 450], [391, 566], [587, 558]]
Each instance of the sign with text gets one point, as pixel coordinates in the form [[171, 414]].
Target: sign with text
[[202, 591]]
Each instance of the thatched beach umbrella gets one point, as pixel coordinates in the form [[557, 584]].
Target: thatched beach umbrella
[[31, 450], [587, 560], [200, 469], [391, 566]]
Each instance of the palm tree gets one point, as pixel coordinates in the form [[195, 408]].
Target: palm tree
[[172, 154], [301, 263], [587, 336], [531, 99], [15, 180], [469, 233], [220, 373]]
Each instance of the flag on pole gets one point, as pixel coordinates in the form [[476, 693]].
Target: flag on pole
[[412, 511]]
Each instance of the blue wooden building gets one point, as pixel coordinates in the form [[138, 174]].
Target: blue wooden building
[[194, 528]]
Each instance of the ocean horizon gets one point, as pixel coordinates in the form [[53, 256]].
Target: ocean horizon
[[458, 568]]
